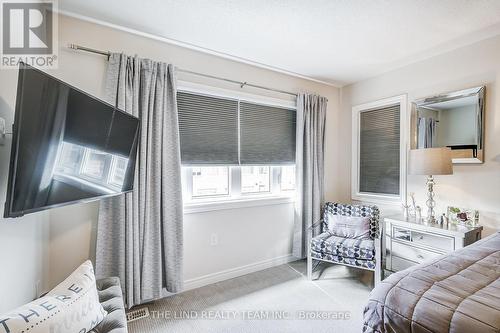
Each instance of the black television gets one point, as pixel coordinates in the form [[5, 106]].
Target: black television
[[67, 146]]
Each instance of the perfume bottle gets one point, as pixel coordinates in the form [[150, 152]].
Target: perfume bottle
[[446, 221], [418, 213]]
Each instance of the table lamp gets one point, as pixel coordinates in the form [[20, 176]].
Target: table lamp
[[430, 162]]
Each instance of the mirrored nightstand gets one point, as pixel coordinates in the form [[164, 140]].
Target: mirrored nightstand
[[409, 241]]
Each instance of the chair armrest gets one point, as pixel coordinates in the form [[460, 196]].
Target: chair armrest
[[315, 224], [309, 235]]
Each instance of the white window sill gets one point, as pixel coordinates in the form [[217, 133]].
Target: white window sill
[[385, 200], [223, 204]]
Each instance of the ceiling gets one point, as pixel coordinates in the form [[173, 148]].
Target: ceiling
[[336, 41]]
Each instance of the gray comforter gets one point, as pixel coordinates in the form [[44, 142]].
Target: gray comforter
[[459, 292]]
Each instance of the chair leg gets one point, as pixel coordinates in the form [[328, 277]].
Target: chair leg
[[378, 262], [309, 266], [378, 274]]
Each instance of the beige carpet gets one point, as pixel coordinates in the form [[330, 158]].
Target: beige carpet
[[278, 299]]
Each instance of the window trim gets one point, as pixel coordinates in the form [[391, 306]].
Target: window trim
[[211, 91], [404, 133], [256, 201]]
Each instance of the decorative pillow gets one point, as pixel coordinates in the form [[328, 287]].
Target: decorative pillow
[[73, 307], [349, 226]]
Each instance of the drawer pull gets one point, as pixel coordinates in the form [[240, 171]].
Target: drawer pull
[[419, 256]]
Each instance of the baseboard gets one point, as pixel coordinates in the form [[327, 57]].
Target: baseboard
[[237, 271]]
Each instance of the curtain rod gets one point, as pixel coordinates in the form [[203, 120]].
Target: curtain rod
[[241, 84]]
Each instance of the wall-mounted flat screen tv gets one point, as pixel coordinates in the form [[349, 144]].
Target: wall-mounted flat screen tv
[[67, 146]]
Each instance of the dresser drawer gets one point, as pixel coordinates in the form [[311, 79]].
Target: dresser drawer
[[398, 264], [412, 253], [433, 241], [437, 242], [401, 234]]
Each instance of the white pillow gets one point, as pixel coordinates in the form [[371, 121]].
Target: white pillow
[[71, 307], [349, 226]]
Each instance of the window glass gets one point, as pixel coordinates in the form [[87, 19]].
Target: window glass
[[70, 158], [118, 170], [255, 179], [95, 164], [210, 181], [288, 178], [379, 151]]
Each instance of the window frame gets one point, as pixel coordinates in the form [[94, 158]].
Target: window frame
[[403, 149], [235, 198]]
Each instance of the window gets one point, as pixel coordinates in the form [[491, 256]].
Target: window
[[235, 148], [255, 179], [288, 178], [379, 151], [95, 164], [118, 170], [71, 158], [210, 181], [236, 183], [90, 167]]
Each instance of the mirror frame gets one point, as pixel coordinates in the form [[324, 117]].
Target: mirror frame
[[480, 92]]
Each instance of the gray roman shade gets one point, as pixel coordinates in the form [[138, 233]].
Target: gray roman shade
[[208, 128], [267, 134], [222, 131], [379, 150]]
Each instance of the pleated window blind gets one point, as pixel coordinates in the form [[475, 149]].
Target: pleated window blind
[[220, 131], [379, 150], [267, 134], [208, 129]]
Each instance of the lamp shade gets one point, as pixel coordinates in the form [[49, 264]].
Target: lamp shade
[[430, 161]]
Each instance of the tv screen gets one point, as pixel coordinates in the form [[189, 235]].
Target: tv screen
[[67, 146]]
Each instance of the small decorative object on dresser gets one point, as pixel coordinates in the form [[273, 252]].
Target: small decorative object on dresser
[[463, 216], [409, 241]]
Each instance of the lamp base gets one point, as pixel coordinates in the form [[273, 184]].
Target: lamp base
[[431, 218]]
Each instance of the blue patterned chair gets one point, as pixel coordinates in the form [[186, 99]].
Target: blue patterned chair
[[359, 253]]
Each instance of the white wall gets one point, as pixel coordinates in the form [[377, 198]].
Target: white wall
[[23, 241], [249, 238], [472, 186]]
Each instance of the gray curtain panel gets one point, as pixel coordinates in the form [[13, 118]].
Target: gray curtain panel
[[426, 132], [309, 158], [139, 235]]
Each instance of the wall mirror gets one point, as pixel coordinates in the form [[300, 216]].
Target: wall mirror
[[454, 120]]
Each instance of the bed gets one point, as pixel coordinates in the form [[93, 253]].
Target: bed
[[458, 292]]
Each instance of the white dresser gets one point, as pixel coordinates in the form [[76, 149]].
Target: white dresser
[[409, 241]]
